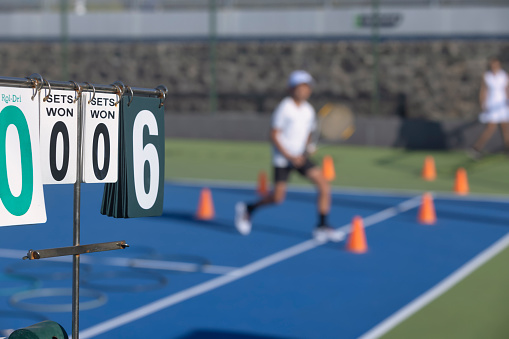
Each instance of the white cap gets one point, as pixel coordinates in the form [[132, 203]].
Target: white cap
[[299, 77]]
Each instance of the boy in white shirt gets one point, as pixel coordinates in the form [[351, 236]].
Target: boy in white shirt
[[293, 122]]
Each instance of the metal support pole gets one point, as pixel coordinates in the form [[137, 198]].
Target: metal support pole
[[76, 227], [213, 55]]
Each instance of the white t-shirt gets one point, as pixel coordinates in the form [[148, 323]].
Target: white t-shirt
[[294, 124], [496, 84]]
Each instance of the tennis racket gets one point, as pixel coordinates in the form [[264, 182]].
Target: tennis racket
[[335, 122]]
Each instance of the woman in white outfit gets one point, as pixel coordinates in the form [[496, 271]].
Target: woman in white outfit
[[493, 97]]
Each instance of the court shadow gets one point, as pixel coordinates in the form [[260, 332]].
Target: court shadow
[[227, 226], [282, 231], [216, 334], [342, 202], [216, 224], [247, 193]]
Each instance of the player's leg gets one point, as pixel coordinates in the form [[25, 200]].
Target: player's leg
[[505, 133], [484, 138], [243, 211], [276, 196], [323, 231], [324, 197]]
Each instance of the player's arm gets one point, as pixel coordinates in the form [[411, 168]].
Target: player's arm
[[310, 145], [310, 139], [312, 142], [296, 161]]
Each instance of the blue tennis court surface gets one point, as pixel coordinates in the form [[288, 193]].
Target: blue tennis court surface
[[188, 279]]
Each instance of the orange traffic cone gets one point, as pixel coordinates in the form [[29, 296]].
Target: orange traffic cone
[[427, 215], [461, 182], [262, 188], [205, 209], [328, 168], [357, 239], [429, 172]]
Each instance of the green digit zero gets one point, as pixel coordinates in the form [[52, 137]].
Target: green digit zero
[[12, 115]]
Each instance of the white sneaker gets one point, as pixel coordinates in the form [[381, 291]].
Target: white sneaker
[[327, 233], [474, 154], [242, 220]]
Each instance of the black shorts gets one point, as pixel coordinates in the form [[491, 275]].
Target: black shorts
[[282, 173]]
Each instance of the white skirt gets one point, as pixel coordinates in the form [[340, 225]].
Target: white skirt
[[497, 114]]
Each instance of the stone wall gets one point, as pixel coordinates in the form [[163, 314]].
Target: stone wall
[[409, 134], [423, 79]]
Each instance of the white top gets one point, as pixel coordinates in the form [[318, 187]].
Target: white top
[[294, 124], [496, 84], [496, 110]]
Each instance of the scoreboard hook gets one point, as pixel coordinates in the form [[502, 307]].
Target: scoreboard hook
[[46, 97], [131, 95], [119, 92], [163, 97], [120, 85], [37, 83], [162, 94], [93, 93], [78, 89]]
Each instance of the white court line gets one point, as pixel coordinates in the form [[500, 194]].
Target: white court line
[[356, 191], [439, 289], [244, 271], [128, 262]]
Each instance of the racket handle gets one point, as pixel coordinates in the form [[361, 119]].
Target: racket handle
[[311, 148]]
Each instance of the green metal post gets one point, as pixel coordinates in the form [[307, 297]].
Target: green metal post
[[213, 55], [64, 38], [375, 100]]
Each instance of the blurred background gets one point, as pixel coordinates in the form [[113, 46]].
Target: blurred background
[[409, 70], [386, 59]]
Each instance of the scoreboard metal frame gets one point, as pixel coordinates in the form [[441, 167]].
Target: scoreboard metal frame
[[81, 91]]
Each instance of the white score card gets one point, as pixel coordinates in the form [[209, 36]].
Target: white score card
[[59, 130], [100, 142], [21, 190]]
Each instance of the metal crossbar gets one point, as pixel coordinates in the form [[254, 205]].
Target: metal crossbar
[[69, 85]]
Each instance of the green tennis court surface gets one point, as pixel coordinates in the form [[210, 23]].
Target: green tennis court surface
[[364, 167], [476, 307]]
